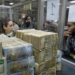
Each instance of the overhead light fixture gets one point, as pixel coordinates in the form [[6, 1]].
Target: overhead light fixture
[[59, 4], [44, 6], [67, 7], [72, 1], [45, 0], [11, 3]]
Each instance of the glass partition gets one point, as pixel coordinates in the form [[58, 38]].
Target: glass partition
[[51, 14], [4, 12], [29, 8]]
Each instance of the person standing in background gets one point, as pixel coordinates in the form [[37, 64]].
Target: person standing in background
[[49, 27], [15, 26], [22, 20], [28, 24], [46, 26], [70, 44]]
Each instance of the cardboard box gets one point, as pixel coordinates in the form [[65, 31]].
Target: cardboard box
[[20, 65], [3, 66]]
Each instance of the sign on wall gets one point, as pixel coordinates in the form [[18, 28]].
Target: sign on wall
[[71, 17], [53, 9]]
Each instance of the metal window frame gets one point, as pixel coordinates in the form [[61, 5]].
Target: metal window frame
[[7, 7], [62, 17]]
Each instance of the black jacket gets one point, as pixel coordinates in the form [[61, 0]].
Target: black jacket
[[31, 26]]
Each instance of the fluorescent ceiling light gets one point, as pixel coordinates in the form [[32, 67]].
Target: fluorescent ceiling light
[[59, 4], [11, 3], [72, 1], [44, 6], [67, 7]]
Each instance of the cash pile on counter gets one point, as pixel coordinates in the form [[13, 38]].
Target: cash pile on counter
[[58, 61], [19, 33], [45, 50], [19, 56], [2, 62]]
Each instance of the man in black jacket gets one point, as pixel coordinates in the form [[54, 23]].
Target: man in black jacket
[[28, 23], [70, 45]]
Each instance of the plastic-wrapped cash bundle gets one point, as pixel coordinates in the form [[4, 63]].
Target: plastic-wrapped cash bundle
[[16, 50], [58, 61], [19, 33], [43, 39], [3, 66], [26, 72], [0, 50], [19, 55], [44, 66], [44, 73], [20, 65], [51, 71], [41, 56], [45, 46], [45, 54]]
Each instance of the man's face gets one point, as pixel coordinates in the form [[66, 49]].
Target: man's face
[[28, 19], [71, 26], [46, 25]]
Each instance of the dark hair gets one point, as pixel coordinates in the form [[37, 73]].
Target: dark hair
[[73, 23], [48, 22], [3, 22], [15, 22], [26, 17]]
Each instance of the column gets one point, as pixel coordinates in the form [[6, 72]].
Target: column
[[62, 17], [40, 14]]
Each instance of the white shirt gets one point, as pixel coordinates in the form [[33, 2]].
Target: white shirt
[[16, 27], [3, 36]]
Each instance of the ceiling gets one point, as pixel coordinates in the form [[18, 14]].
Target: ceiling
[[6, 2], [70, 0]]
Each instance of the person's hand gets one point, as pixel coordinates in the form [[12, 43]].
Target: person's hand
[[72, 55], [66, 33]]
